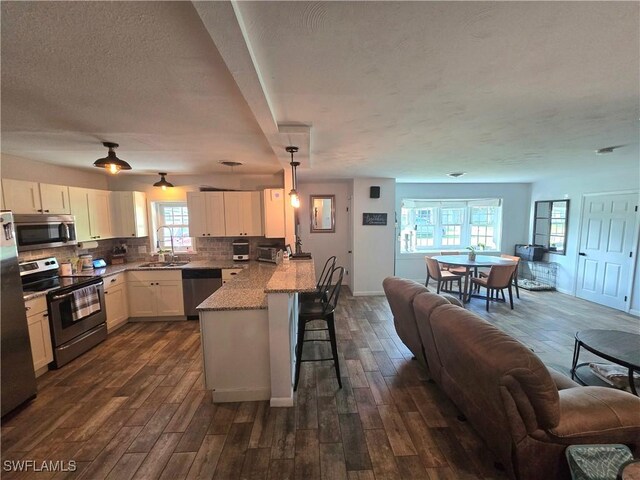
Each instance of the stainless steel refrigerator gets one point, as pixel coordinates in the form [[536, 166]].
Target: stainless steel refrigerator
[[18, 377]]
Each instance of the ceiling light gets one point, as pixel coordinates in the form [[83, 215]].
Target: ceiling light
[[606, 150], [293, 194], [111, 163], [456, 174], [163, 182]]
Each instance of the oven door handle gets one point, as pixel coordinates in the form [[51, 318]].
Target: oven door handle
[[55, 298]]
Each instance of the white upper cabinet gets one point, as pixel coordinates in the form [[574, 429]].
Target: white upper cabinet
[[92, 210], [55, 199], [33, 197], [243, 214], [78, 197], [206, 214], [100, 214], [273, 207], [129, 214]]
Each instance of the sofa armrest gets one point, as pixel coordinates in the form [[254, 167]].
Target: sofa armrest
[[597, 415], [562, 381]]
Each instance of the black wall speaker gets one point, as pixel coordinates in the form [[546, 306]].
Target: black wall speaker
[[374, 192]]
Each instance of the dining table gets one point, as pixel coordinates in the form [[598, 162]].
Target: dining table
[[471, 265]]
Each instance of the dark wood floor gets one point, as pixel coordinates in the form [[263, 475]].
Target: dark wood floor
[[135, 406]]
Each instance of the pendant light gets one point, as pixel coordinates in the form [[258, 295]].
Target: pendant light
[[293, 194], [111, 163], [163, 182]]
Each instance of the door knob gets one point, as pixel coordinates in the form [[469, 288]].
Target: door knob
[[582, 254]]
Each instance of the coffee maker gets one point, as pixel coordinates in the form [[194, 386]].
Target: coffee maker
[[241, 250]]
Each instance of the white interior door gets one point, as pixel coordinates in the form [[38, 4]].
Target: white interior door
[[609, 225]]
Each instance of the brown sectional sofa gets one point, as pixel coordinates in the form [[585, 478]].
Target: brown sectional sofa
[[527, 414]]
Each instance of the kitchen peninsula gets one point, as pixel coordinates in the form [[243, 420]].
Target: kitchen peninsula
[[248, 330]]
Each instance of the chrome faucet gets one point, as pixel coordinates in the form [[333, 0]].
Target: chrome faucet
[[173, 254]]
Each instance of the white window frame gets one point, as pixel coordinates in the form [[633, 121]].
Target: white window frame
[[157, 222], [465, 234]]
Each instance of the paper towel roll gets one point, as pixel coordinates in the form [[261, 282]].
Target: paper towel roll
[[87, 245]]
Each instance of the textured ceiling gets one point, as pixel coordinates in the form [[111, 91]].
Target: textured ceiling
[[143, 74], [506, 91]]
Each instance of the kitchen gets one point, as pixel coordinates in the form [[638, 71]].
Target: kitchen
[[66, 235]]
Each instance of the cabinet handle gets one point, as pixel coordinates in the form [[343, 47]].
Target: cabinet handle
[[113, 280], [47, 211], [106, 293], [40, 210], [133, 234], [45, 315], [27, 308], [203, 234]]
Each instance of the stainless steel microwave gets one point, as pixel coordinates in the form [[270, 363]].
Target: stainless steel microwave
[[34, 232]]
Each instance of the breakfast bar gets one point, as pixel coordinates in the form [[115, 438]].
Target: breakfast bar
[[248, 332]]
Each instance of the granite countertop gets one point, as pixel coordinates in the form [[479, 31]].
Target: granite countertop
[[249, 289], [114, 269], [244, 292], [294, 276]]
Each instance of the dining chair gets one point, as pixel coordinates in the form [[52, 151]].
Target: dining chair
[[515, 273], [441, 276], [323, 283], [322, 310], [499, 278], [451, 268]]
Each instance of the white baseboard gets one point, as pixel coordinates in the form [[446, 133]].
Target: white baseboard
[[635, 312], [241, 395], [368, 294], [566, 292], [281, 402]]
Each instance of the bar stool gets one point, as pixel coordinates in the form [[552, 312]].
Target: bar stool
[[322, 310], [323, 283]]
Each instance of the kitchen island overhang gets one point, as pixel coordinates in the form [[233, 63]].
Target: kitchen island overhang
[[248, 333]]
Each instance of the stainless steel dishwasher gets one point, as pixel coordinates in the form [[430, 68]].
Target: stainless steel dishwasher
[[197, 285]]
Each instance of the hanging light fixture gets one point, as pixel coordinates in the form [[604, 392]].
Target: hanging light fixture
[[111, 163], [293, 194], [163, 182]]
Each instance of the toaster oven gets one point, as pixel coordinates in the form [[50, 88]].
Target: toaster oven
[[268, 253]]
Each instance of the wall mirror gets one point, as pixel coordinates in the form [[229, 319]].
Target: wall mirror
[[550, 225], [323, 211]]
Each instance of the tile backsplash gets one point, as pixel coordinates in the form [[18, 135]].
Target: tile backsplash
[[206, 248]]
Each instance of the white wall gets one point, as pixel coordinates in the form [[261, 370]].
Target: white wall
[[18, 168], [373, 246], [608, 178], [515, 214], [324, 245]]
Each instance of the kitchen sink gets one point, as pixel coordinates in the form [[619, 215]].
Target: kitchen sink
[[163, 264]]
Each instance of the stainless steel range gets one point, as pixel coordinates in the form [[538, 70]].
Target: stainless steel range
[[76, 308]]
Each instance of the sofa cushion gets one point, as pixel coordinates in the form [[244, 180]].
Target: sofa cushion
[[400, 293], [478, 356], [423, 305], [597, 415]]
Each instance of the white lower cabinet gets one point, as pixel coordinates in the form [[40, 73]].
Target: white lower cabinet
[[39, 334], [155, 293], [115, 297]]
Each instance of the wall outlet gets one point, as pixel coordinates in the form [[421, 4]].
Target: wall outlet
[[142, 249]]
